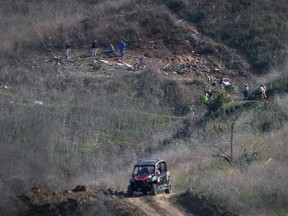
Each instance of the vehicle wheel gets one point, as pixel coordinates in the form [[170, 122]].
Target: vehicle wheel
[[129, 191], [169, 189], [154, 189]]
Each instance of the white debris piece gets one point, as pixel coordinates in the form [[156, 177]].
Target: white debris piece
[[38, 102]]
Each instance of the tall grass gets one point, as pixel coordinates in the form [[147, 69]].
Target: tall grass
[[251, 188]]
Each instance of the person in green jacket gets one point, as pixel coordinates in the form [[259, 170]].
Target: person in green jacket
[[206, 97]]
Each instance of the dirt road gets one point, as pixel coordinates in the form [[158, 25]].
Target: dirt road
[[162, 204]]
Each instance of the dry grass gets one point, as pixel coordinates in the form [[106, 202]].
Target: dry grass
[[254, 188]]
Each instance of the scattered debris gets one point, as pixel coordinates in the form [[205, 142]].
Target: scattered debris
[[225, 82], [268, 161], [197, 64], [79, 188], [166, 66], [38, 102], [6, 87], [117, 62], [182, 70]]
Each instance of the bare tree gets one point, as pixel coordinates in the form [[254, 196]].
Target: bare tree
[[224, 155]]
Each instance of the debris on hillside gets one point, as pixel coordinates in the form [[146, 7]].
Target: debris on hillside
[[38, 102], [117, 62]]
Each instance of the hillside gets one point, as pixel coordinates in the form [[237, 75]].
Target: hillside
[[85, 120]]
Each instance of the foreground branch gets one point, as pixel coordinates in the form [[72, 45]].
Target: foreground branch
[[224, 155]]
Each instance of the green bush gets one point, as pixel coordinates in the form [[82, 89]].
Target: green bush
[[216, 102]]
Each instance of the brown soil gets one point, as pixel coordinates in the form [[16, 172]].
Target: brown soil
[[88, 201]]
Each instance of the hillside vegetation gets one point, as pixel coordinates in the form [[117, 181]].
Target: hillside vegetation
[[66, 122], [258, 29]]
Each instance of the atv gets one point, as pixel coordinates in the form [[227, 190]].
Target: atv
[[150, 175]]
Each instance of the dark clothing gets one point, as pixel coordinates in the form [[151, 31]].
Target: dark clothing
[[210, 94], [68, 50], [112, 50], [94, 45], [246, 94]]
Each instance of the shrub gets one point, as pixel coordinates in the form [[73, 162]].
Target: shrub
[[216, 102], [279, 84]]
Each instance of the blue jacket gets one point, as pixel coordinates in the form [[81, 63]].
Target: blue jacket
[[122, 45]]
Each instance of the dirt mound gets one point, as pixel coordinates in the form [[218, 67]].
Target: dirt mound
[[83, 200], [41, 201], [199, 205]]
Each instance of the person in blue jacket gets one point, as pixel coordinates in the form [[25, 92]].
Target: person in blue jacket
[[122, 48]]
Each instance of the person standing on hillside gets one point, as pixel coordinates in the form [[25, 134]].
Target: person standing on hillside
[[194, 40], [192, 108], [246, 92], [206, 97], [122, 46], [68, 49], [142, 60], [94, 48], [112, 51], [263, 92]]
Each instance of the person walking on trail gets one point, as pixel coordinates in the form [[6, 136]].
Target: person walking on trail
[[122, 46], [68, 49], [94, 48], [263, 92]]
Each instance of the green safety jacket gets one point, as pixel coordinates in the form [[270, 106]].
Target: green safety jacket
[[206, 98]]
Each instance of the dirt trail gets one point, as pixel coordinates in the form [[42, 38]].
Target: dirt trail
[[162, 204]]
